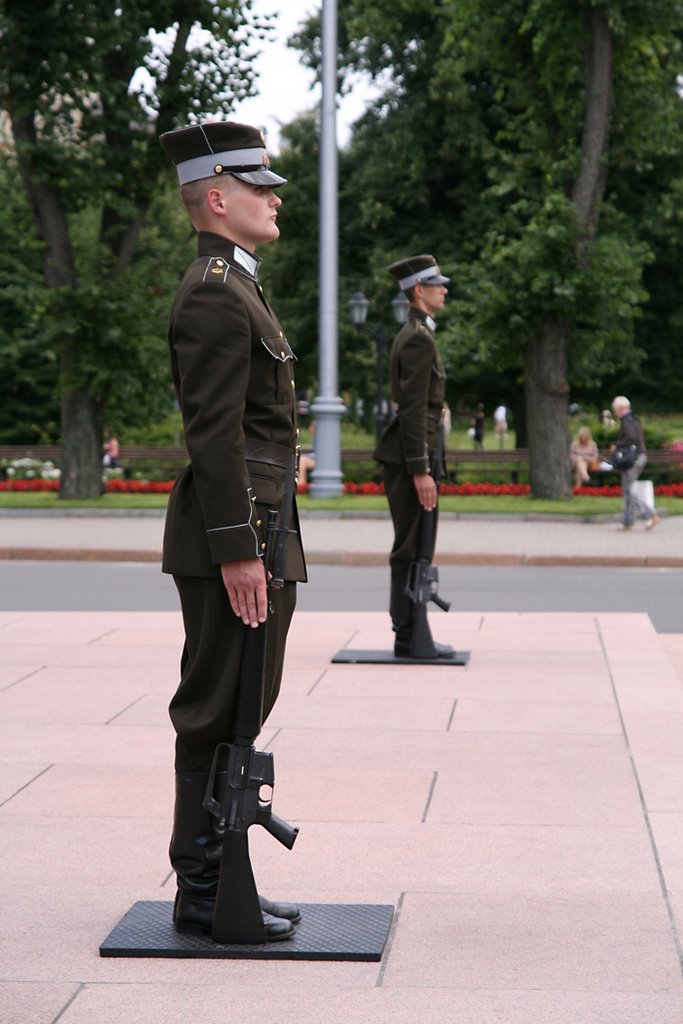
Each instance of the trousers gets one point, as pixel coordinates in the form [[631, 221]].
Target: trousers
[[633, 506], [405, 511], [202, 709]]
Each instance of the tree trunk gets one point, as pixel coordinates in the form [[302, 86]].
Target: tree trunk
[[81, 435], [546, 385], [590, 182], [81, 446], [546, 390]]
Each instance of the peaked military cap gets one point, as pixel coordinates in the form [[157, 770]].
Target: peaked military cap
[[220, 147], [417, 270]]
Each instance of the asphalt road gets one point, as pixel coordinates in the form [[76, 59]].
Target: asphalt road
[[139, 586]]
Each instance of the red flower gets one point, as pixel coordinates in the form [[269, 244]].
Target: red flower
[[371, 488]]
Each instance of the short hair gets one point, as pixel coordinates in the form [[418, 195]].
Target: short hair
[[620, 402], [194, 192]]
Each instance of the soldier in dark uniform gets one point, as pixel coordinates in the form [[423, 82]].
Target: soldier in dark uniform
[[232, 370], [409, 442]]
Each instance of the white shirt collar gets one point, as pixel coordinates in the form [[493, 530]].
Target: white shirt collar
[[247, 260]]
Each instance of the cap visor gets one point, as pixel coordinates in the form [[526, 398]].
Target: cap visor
[[260, 177], [435, 279]]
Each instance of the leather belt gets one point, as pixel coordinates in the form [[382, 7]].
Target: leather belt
[[267, 451]]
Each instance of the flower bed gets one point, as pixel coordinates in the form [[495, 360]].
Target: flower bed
[[462, 490]]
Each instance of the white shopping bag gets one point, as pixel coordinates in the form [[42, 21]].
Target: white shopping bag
[[644, 489]]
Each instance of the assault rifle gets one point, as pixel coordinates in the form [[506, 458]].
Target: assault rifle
[[422, 585]]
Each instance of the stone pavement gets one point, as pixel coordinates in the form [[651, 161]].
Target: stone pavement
[[523, 814], [361, 539]]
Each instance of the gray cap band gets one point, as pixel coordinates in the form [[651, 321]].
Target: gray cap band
[[205, 166], [423, 277]]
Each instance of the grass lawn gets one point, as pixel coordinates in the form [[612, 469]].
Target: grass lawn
[[479, 504]]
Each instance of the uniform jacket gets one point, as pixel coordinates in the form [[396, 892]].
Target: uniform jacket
[[418, 386], [232, 370]]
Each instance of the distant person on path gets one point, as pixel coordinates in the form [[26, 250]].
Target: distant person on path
[[409, 443], [584, 456], [500, 424], [631, 433], [447, 420], [477, 427]]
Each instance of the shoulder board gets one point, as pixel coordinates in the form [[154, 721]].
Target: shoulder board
[[216, 269]]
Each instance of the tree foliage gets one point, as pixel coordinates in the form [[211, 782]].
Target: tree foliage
[[87, 88]]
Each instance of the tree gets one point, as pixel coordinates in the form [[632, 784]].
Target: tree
[[563, 271], [29, 409], [88, 87]]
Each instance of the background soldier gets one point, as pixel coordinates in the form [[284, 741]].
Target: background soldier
[[409, 443], [232, 372]]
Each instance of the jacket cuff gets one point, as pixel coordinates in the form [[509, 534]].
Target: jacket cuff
[[236, 542], [417, 464]]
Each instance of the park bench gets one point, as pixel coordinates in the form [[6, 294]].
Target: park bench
[[482, 463]]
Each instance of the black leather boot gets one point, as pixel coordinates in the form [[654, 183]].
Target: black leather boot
[[195, 853], [404, 650]]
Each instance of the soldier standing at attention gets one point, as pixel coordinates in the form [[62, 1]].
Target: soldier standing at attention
[[409, 443], [232, 372]]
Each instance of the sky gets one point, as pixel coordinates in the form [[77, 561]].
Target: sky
[[286, 87]]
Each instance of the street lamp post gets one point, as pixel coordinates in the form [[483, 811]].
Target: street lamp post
[[358, 307], [328, 408]]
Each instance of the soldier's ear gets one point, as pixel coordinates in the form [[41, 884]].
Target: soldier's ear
[[216, 201]]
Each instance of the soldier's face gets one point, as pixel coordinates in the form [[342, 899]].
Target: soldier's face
[[433, 297], [250, 213]]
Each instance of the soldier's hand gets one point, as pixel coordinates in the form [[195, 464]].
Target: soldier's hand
[[245, 583], [426, 490]]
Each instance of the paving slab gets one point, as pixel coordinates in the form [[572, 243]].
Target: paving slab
[[157, 1005], [536, 943], [523, 814]]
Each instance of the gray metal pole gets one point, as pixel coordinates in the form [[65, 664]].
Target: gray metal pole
[[327, 407]]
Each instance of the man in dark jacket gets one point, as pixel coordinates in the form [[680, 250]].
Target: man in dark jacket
[[232, 372], [408, 445], [631, 434]]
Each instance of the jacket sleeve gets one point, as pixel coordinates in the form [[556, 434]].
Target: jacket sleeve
[[211, 337], [415, 371]]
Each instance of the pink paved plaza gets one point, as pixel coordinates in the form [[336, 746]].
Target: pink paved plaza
[[523, 814]]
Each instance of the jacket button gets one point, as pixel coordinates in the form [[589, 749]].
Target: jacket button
[[263, 547], [258, 522]]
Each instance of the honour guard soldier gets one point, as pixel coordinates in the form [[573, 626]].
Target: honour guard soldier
[[232, 370], [408, 445]]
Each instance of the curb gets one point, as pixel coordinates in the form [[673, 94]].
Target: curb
[[361, 558]]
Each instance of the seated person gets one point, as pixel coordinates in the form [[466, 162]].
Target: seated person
[[583, 456]]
